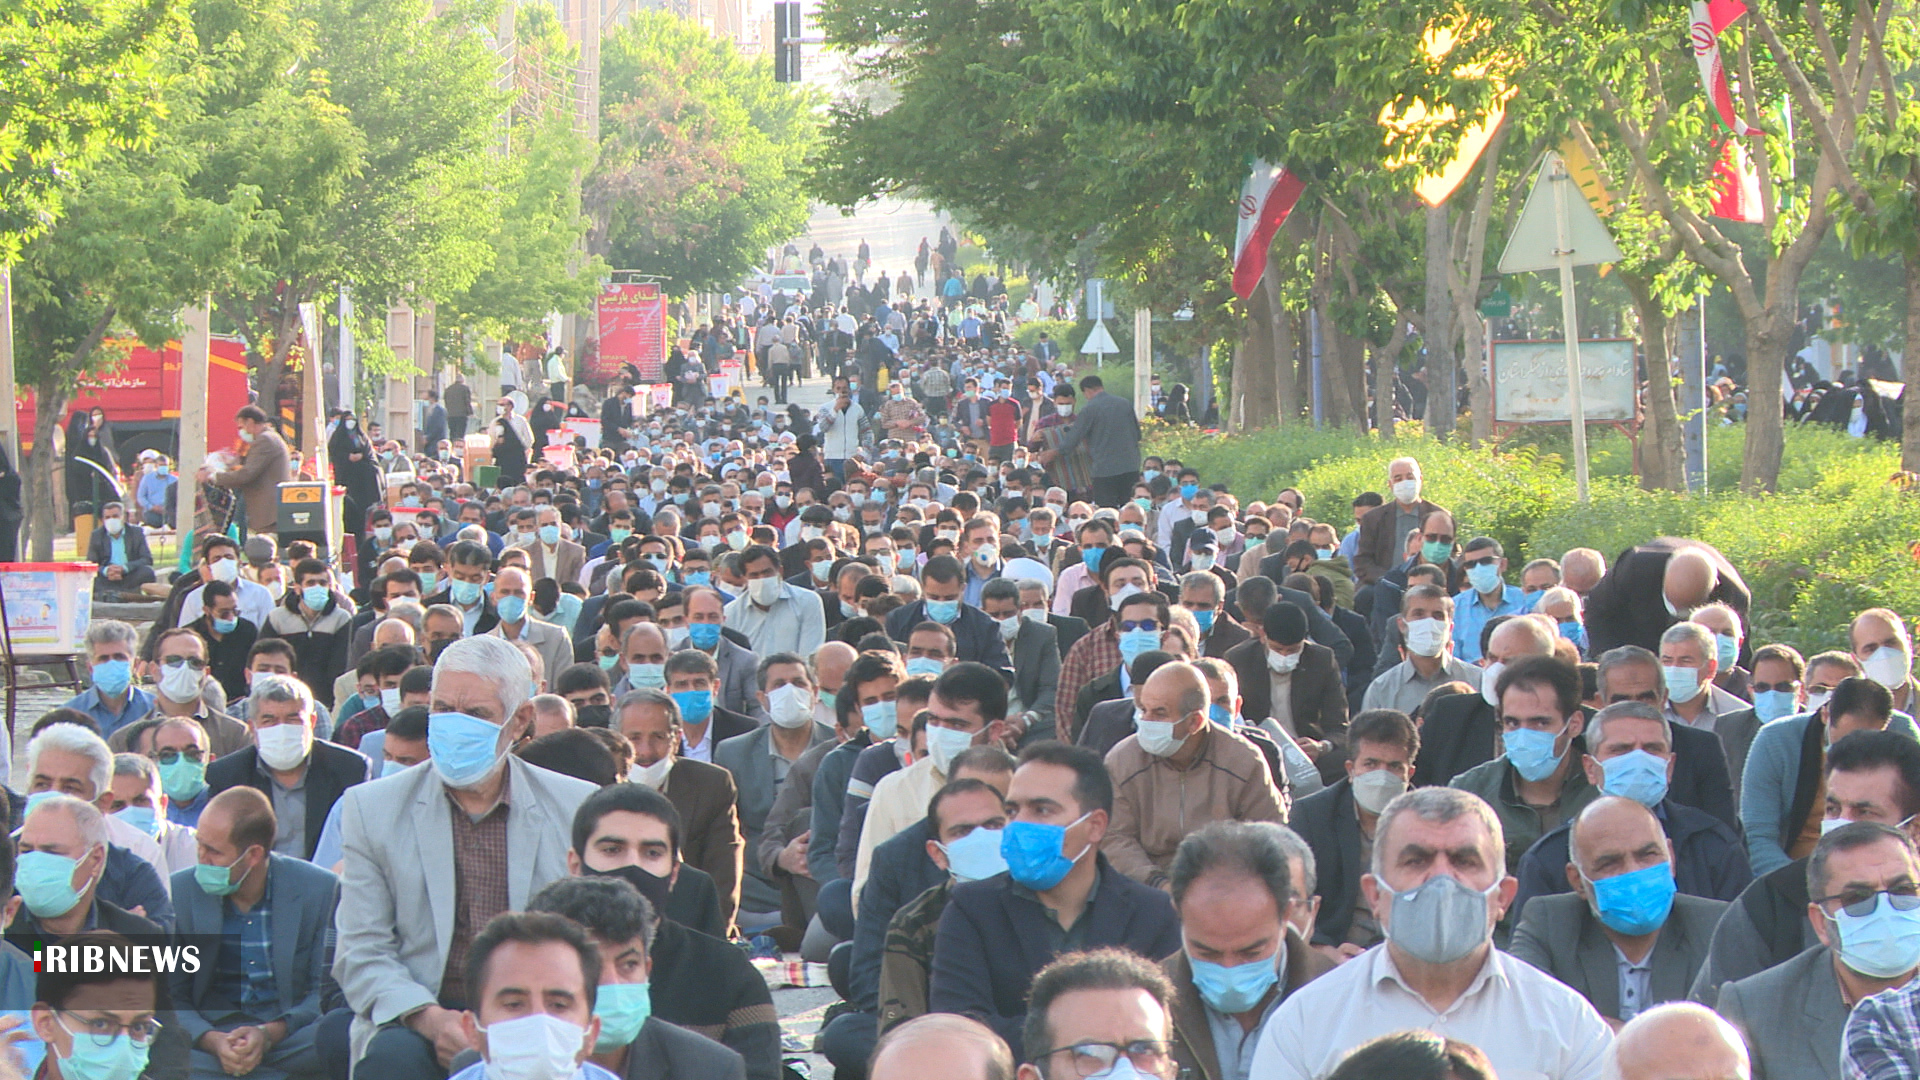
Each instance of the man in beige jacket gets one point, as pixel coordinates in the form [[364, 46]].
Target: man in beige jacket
[[1178, 772]]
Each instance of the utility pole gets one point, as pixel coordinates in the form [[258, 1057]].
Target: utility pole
[[9, 409], [196, 345], [1142, 362]]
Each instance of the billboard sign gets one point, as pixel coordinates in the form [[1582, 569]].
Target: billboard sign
[[1530, 381], [633, 330]]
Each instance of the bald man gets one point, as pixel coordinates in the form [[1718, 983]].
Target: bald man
[[1680, 1041], [1581, 569], [830, 664], [1178, 771], [1657, 584], [941, 1046]]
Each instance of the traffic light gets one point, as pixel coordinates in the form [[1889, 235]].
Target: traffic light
[[786, 41]]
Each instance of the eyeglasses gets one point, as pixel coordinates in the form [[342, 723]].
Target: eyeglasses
[[1139, 624], [1151, 1056], [1904, 897], [1787, 687], [171, 757], [1438, 538], [193, 662], [102, 1030]]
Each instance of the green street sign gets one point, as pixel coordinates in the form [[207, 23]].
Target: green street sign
[[1497, 305]]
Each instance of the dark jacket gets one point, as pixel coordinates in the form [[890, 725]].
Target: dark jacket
[[1226, 633], [976, 637], [1628, 606], [100, 547], [1319, 698], [710, 826], [993, 940], [1330, 824], [1358, 672], [1562, 937], [1458, 734], [331, 769], [489, 618], [709, 987], [1193, 1046], [303, 897], [665, 1051], [1069, 630], [900, 872], [1764, 926], [1378, 549], [1320, 629], [1708, 858]]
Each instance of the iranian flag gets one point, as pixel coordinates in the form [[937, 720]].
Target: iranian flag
[[1710, 17], [1736, 186], [1265, 200]]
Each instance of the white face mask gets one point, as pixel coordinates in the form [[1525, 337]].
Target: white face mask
[[539, 1046], [1489, 676], [115, 526], [1283, 665], [1406, 491], [284, 746], [790, 706], [180, 683], [226, 570], [1426, 637]]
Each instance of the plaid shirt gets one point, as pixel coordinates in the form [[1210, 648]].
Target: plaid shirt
[[246, 957], [901, 409], [364, 723], [1095, 654], [479, 886], [1882, 1040]]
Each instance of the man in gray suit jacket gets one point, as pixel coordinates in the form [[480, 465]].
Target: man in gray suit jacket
[[1035, 649], [410, 858], [1795, 1013], [1112, 433], [233, 1027]]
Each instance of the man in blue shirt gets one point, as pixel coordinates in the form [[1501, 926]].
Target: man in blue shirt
[[121, 554], [113, 701], [154, 496], [1487, 595]]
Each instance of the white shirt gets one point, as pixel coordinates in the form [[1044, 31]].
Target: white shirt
[[1531, 1026], [254, 601]]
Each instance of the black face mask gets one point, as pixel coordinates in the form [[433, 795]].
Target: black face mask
[[593, 716], [438, 647], [651, 886]]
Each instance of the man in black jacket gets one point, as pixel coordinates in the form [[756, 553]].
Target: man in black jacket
[[286, 761], [121, 554], [1333, 822], [942, 584]]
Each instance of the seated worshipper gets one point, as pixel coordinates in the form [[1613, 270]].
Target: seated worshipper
[[1700, 764], [121, 554], [1460, 731], [1060, 895], [1296, 683], [1111, 722], [180, 656], [67, 759], [512, 591], [303, 777], [1425, 623], [967, 707], [384, 666], [1689, 662], [141, 801], [1628, 755], [1437, 886], [703, 794], [315, 620], [1781, 806], [1203, 594], [776, 615], [1870, 776], [551, 713], [1178, 772], [1034, 649], [1623, 937], [1127, 583], [113, 701], [960, 1048], [587, 689], [404, 840], [95, 1023], [416, 691], [229, 638], [891, 956], [942, 582], [634, 1040], [785, 838], [571, 752], [1293, 771], [1682, 1039], [252, 1009], [180, 751], [1862, 879], [1340, 824], [1232, 885], [1537, 783], [692, 679], [58, 876], [759, 761], [533, 979], [700, 982], [1091, 1009]]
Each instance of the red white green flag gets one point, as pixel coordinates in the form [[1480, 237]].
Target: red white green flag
[[1266, 198], [1710, 17]]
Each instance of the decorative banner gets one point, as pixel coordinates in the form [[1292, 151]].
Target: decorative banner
[[1710, 17], [1266, 198], [633, 330], [1736, 186]]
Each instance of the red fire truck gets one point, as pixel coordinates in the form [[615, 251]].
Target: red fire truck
[[142, 399]]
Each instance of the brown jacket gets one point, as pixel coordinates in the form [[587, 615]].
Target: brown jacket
[[709, 826], [258, 481], [225, 735], [1156, 805], [1378, 550], [1192, 1037]]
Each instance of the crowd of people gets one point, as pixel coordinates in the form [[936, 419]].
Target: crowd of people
[[1063, 761]]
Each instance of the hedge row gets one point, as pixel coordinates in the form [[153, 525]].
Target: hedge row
[[1838, 536]]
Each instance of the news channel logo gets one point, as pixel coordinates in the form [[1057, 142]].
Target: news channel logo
[[120, 959]]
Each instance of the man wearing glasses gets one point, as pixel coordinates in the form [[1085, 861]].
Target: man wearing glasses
[[96, 1024], [1486, 596], [180, 656], [1864, 881], [180, 750], [1090, 1010]]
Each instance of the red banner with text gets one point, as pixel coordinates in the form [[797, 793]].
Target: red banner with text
[[633, 330]]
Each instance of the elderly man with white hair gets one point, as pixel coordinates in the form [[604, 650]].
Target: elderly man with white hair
[[67, 759], [432, 854], [59, 876], [301, 775]]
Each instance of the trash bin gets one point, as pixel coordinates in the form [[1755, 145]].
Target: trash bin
[[486, 476], [310, 510]]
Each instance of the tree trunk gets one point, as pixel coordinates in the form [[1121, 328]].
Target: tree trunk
[[1285, 347], [1909, 367], [1662, 453], [1386, 364], [1252, 385], [283, 320], [50, 402], [1442, 377], [1767, 335]]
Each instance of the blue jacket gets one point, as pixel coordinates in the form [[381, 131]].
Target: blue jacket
[[1780, 781], [1707, 858], [302, 898], [992, 942]]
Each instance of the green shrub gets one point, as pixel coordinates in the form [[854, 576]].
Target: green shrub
[[1027, 333]]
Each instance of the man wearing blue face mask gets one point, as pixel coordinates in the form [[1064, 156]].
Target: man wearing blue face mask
[[1535, 784], [942, 587], [1240, 959], [404, 979], [1624, 937], [552, 553], [1437, 887], [1486, 596], [1059, 895], [469, 572], [95, 1025], [1863, 882], [1630, 754], [113, 701]]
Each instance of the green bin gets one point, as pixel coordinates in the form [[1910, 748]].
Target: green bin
[[486, 476]]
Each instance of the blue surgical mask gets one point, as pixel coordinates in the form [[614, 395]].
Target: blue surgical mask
[[696, 706], [703, 635], [1485, 577], [1638, 902], [622, 1009], [1090, 557], [1726, 650], [464, 748], [1882, 944], [45, 883], [1636, 775], [1771, 705], [1205, 619], [1219, 715], [464, 593], [120, 1059], [1238, 988], [945, 743], [140, 817], [647, 676], [1436, 552], [1683, 683], [924, 665], [882, 718], [549, 534], [226, 626], [511, 608], [1149, 474], [428, 579], [184, 780], [112, 676], [315, 596], [609, 661], [1574, 632], [1188, 491], [1135, 642], [1532, 753], [1035, 852], [976, 856], [943, 611], [392, 768], [216, 880]]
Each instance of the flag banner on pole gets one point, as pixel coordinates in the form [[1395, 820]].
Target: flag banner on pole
[[1710, 17], [1266, 199], [1736, 186]]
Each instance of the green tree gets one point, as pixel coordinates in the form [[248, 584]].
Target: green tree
[[701, 156]]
